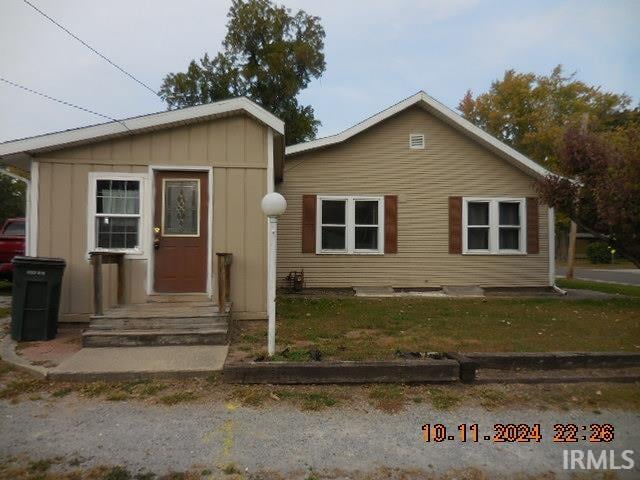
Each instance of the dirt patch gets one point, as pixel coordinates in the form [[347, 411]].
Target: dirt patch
[[51, 352], [360, 333]]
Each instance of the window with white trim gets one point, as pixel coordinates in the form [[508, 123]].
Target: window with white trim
[[350, 225], [494, 226], [115, 213]]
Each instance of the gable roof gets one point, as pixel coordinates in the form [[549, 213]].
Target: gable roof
[[144, 123], [443, 113]]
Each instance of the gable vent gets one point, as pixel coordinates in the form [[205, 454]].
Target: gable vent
[[416, 141]]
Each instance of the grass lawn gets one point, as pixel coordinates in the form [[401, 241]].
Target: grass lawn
[[353, 328], [631, 290]]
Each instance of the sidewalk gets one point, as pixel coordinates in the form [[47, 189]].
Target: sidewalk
[[131, 363], [64, 359]]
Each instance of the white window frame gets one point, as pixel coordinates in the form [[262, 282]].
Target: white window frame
[[494, 226], [350, 225], [94, 177]]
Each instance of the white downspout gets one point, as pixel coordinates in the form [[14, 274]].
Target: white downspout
[[551, 217]]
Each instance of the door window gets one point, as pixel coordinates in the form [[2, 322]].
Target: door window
[[181, 208]]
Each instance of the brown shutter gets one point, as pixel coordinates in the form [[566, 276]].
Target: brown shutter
[[533, 245], [455, 225], [308, 224], [390, 224]]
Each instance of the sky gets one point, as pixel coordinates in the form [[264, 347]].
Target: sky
[[377, 52]]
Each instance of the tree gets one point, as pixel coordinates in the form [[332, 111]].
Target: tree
[[530, 112], [12, 198], [269, 55], [600, 184]]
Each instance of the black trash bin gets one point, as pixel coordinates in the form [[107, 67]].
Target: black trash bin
[[36, 297]]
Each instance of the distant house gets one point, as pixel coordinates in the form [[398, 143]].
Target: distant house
[[414, 197]]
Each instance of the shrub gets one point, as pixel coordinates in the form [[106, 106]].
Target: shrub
[[598, 252]]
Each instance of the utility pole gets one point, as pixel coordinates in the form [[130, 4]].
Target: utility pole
[[573, 231]]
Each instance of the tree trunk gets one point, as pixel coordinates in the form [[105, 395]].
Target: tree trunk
[[571, 255]]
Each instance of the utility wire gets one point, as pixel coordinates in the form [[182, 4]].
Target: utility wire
[[68, 104], [92, 49]]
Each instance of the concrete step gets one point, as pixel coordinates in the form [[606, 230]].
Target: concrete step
[[177, 297], [160, 310], [158, 337], [159, 323]]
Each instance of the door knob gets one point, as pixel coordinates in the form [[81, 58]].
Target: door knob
[[156, 237]]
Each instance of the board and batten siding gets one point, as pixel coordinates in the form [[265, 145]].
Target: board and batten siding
[[236, 148], [378, 161]]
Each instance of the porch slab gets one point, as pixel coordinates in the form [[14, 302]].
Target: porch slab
[[380, 291], [134, 363], [463, 291]]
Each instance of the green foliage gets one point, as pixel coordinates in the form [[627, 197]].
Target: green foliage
[[12, 198], [443, 399], [40, 466], [313, 401], [269, 55], [230, 469], [529, 112], [598, 252], [179, 397], [605, 199], [118, 473]]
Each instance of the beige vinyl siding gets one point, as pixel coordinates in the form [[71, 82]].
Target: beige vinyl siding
[[380, 162], [236, 149]]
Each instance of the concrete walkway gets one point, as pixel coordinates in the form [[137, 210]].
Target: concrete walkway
[[127, 363], [123, 363]]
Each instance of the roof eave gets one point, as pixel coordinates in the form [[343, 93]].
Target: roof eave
[[140, 124], [444, 113]]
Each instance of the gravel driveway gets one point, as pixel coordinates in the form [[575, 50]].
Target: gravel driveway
[[161, 439]]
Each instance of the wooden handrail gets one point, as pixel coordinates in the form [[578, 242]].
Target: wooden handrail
[[97, 259], [224, 280]]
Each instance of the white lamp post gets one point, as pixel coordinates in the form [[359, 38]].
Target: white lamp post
[[273, 205]]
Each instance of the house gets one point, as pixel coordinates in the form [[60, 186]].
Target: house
[[165, 193], [414, 197]]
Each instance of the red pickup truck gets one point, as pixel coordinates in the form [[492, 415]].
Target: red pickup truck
[[12, 242]]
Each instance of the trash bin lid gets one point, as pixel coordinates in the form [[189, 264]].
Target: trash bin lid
[[42, 261]]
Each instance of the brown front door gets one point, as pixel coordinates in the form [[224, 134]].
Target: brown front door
[[180, 229]]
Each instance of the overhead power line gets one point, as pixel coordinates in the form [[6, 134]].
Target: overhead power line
[[68, 104], [92, 49]]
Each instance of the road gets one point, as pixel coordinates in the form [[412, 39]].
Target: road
[[627, 275], [160, 438]]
